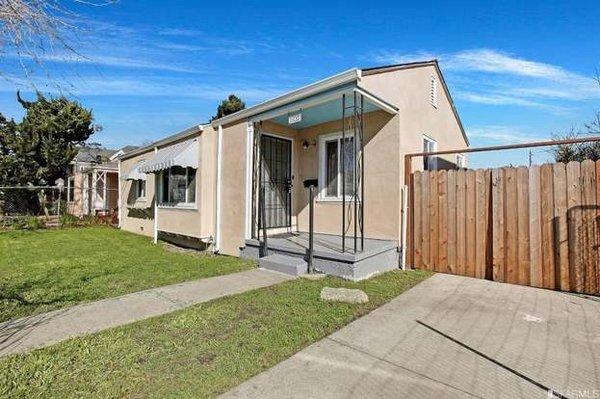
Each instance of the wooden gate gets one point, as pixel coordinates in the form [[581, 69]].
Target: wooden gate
[[534, 226]]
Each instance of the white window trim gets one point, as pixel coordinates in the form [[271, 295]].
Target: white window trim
[[177, 205], [434, 142], [433, 92], [323, 139]]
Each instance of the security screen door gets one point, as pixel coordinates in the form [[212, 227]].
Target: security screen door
[[276, 178]]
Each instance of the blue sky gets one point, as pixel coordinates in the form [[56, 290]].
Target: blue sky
[[518, 71]]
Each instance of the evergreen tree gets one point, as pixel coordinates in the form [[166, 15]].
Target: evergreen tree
[[38, 150], [232, 104], [7, 131]]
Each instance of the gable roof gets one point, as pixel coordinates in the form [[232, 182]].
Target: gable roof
[[320, 86], [91, 154], [419, 64], [334, 81]]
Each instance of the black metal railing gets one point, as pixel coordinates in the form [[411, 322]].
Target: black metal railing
[[263, 223], [352, 127]]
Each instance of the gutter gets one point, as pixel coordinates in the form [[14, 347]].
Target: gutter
[[119, 192], [156, 192]]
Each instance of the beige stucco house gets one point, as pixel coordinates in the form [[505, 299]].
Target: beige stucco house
[[240, 184]]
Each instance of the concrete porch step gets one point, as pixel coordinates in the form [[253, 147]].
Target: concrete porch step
[[284, 264]]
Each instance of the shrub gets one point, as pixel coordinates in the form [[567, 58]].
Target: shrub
[[14, 222], [91, 220], [66, 220], [34, 223]]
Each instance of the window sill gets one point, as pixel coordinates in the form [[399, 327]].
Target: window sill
[[185, 207], [334, 200]]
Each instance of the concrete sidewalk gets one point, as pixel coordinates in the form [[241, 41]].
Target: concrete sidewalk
[[451, 336], [22, 335]]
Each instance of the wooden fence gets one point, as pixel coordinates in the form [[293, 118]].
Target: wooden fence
[[533, 226]]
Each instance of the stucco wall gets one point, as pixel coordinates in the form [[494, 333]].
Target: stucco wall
[[138, 215], [409, 90], [381, 157], [233, 188]]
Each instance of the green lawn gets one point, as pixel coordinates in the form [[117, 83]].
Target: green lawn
[[48, 269], [196, 352]]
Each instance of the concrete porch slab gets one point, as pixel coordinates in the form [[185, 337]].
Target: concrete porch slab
[[376, 257]]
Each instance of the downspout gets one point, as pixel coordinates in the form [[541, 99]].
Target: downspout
[[120, 205], [156, 181], [249, 176], [217, 245]]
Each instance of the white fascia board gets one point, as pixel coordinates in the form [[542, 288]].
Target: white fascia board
[[377, 101], [116, 155], [349, 76]]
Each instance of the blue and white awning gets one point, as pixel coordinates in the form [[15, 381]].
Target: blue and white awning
[[185, 154]]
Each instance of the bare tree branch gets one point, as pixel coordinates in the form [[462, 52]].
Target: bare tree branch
[[32, 31]]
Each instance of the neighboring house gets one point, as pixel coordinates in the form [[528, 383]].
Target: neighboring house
[[92, 183], [225, 183]]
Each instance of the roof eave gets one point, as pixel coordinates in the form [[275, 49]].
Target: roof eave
[[397, 67], [348, 76], [163, 142]]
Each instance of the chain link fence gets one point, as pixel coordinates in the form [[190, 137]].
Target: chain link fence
[[38, 207]]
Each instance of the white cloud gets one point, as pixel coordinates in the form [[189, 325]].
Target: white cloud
[[493, 61], [227, 49], [484, 60], [493, 98], [502, 134], [487, 76], [251, 91], [181, 32], [122, 62]]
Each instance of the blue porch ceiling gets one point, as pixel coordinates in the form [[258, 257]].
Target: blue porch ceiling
[[321, 113]]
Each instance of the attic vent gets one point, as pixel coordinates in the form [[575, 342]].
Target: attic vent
[[434, 92]]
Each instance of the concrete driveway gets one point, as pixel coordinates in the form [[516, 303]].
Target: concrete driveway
[[451, 336]]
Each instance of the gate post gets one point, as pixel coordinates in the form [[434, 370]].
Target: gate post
[[409, 258]]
